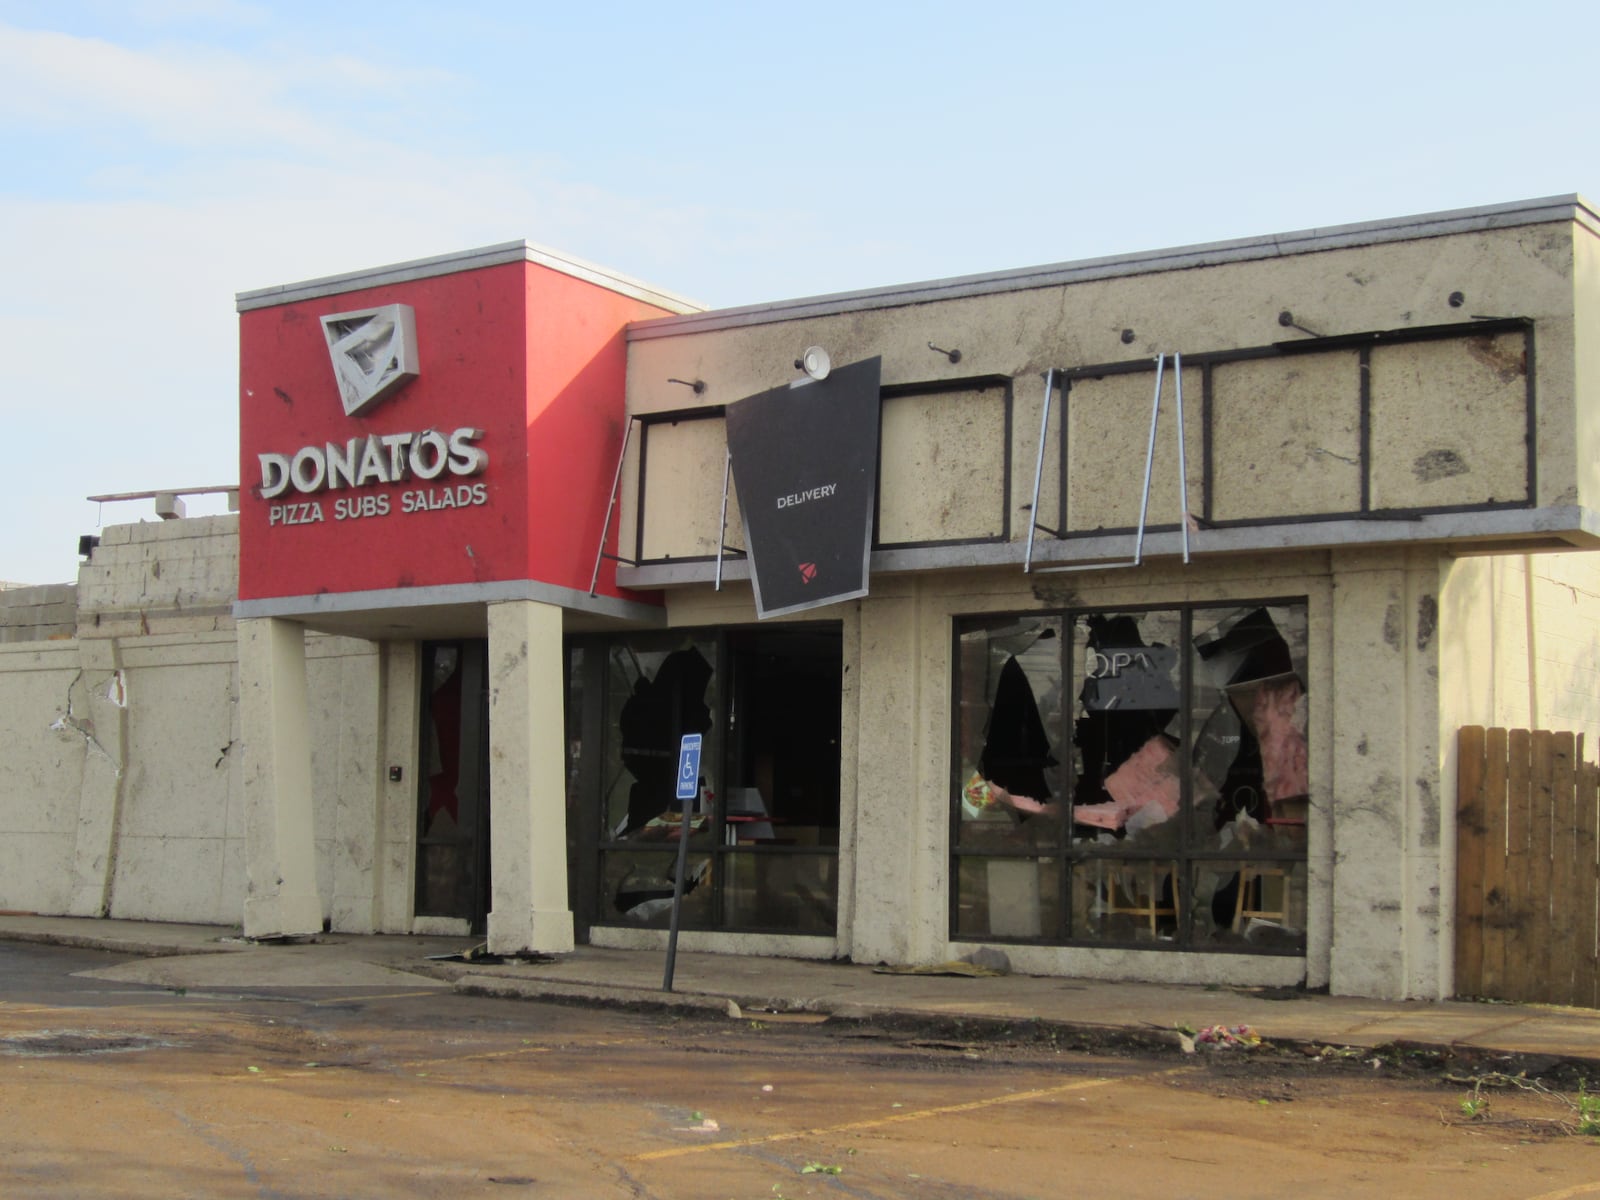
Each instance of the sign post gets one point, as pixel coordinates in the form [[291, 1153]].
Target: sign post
[[688, 789]]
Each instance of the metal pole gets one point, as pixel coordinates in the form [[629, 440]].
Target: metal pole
[[1038, 468], [1149, 460], [1183, 470], [599, 554], [722, 525], [677, 896]]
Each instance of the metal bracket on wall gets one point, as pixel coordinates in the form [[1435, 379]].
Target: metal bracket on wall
[[1149, 465], [600, 554], [722, 525], [1038, 474]]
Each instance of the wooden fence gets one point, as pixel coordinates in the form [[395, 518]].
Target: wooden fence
[[1527, 871]]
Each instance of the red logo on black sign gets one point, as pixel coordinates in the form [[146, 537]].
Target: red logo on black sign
[[808, 572]]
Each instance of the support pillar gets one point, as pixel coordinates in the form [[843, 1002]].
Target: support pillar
[[900, 813], [527, 781], [281, 897]]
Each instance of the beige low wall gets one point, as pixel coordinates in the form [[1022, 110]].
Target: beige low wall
[[120, 781], [41, 774]]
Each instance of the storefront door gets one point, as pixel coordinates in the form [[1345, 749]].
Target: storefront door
[[764, 836], [453, 789]]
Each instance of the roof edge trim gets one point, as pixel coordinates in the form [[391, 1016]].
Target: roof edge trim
[[1305, 241], [456, 262]]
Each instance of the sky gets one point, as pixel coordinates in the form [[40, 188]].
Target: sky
[[159, 156]]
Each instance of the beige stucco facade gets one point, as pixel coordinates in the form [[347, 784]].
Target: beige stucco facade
[[1396, 425]]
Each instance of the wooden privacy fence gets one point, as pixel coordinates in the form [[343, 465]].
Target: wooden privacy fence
[[1527, 871]]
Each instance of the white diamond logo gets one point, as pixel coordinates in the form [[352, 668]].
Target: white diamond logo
[[374, 353]]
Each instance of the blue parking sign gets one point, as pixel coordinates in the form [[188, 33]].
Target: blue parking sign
[[689, 767]]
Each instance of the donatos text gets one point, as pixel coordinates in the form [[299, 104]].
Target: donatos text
[[378, 459], [310, 512]]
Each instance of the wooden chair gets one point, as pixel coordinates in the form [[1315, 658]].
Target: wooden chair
[[1263, 893], [1135, 889]]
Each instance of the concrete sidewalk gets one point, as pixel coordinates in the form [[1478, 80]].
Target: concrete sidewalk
[[208, 957]]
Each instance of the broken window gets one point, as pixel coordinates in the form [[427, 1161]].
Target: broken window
[[1133, 777], [763, 832]]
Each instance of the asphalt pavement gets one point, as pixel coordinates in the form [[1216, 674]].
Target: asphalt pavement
[[211, 957]]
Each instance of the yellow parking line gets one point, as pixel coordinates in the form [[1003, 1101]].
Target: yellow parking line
[[896, 1118], [1577, 1189]]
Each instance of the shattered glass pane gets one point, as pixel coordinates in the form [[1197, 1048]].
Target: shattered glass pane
[[796, 893], [1007, 897], [638, 888], [1126, 733], [1260, 905], [1185, 742]]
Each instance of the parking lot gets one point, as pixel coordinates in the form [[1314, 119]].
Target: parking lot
[[119, 1089]]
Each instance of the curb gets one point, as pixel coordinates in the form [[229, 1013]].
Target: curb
[[614, 997], [1087, 1037], [114, 945]]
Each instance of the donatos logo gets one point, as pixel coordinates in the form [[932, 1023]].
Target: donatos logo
[[374, 354]]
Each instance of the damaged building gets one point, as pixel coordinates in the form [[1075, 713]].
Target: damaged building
[[1119, 614]]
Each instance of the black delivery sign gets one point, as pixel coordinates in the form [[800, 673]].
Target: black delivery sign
[[805, 461]]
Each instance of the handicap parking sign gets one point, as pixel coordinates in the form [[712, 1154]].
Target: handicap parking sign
[[689, 767]]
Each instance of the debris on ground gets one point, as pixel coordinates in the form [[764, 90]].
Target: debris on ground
[[990, 958], [968, 969], [480, 955], [1219, 1037]]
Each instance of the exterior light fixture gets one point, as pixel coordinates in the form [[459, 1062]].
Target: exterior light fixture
[[815, 363]]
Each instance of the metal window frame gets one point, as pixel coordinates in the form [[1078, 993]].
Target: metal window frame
[[1183, 857]]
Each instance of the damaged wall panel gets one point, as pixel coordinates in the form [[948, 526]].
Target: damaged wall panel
[[1450, 422], [943, 468], [177, 858], [682, 497], [1286, 436], [1108, 437]]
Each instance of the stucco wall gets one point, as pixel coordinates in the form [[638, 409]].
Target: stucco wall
[[1375, 824], [1522, 643], [179, 835], [1586, 353], [120, 787], [40, 776], [1449, 421]]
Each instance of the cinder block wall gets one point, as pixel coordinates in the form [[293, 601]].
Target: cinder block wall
[[38, 614]]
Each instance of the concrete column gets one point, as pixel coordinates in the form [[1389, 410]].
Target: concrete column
[[281, 897], [358, 873], [103, 723], [895, 918], [1387, 816], [527, 781], [401, 720]]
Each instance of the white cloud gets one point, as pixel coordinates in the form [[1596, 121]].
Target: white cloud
[[184, 95]]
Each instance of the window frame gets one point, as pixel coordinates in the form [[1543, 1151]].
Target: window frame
[[1062, 852]]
